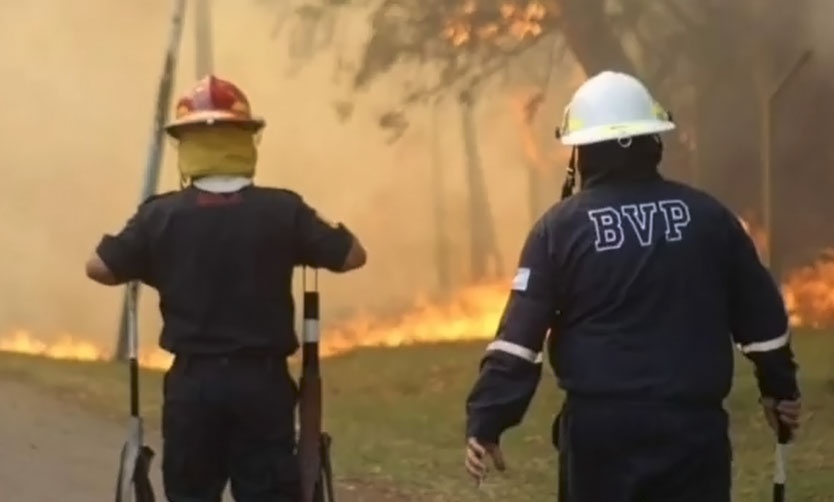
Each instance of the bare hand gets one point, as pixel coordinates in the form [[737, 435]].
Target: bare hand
[[476, 454], [784, 411]]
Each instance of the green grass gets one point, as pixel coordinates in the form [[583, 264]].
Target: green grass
[[397, 420]]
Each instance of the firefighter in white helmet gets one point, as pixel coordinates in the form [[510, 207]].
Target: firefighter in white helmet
[[638, 280]]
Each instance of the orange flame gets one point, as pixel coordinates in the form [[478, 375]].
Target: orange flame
[[809, 290], [809, 293], [67, 347], [73, 348], [472, 314], [522, 20]]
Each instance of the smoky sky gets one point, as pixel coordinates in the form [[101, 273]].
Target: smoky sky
[[79, 81]]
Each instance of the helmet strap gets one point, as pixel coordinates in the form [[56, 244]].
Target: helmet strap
[[570, 176]]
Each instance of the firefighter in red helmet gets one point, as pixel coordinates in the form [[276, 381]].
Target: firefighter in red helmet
[[216, 132], [221, 253]]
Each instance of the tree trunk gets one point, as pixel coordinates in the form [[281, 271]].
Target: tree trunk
[[482, 228], [597, 48], [438, 193]]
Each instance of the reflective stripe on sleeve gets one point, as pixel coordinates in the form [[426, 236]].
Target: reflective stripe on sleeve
[[521, 279], [515, 350], [766, 346]]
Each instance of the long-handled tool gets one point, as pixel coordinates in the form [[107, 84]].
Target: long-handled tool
[[313, 444], [327, 494], [133, 483], [157, 140], [779, 471]]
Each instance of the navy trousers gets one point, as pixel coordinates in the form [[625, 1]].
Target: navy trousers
[[229, 419], [628, 451]]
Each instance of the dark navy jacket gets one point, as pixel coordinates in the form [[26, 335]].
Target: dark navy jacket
[[644, 285], [223, 264]]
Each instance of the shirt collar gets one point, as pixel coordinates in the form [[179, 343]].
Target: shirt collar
[[222, 184]]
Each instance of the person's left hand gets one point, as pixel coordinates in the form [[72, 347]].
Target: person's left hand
[[785, 411], [476, 454]]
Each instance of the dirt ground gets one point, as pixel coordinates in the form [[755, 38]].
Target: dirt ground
[[55, 451]]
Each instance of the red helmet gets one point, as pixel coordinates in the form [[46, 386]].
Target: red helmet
[[211, 101]]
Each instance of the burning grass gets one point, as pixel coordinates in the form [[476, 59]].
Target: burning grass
[[472, 313], [396, 416]]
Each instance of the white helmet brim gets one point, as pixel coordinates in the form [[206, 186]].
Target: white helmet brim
[[613, 132]]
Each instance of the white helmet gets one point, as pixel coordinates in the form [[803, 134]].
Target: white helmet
[[612, 106]]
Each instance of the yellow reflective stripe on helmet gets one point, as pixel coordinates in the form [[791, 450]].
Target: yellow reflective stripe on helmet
[[659, 112], [569, 123], [624, 129]]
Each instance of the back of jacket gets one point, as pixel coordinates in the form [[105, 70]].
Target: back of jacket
[[644, 295], [223, 264], [644, 285]]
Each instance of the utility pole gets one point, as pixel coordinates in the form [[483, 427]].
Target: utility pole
[[157, 144], [772, 258], [203, 36]]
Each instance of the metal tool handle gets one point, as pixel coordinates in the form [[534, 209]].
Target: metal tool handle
[[310, 330], [779, 457], [132, 322], [327, 469], [310, 393], [133, 345]]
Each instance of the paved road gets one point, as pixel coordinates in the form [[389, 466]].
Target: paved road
[[52, 451]]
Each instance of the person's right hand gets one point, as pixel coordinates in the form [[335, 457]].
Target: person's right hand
[[476, 456], [785, 411]]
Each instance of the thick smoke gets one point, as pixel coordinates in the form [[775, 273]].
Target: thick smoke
[[79, 82], [820, 21]]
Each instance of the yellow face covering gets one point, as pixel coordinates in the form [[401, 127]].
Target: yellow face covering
[[212, 151]]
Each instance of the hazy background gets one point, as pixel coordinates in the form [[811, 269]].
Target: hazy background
[[78, 84], [79, 77]]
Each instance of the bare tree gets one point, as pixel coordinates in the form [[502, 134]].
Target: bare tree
[[709, 61]]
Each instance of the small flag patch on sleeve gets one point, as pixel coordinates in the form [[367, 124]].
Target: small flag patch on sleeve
[[522, 277]]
